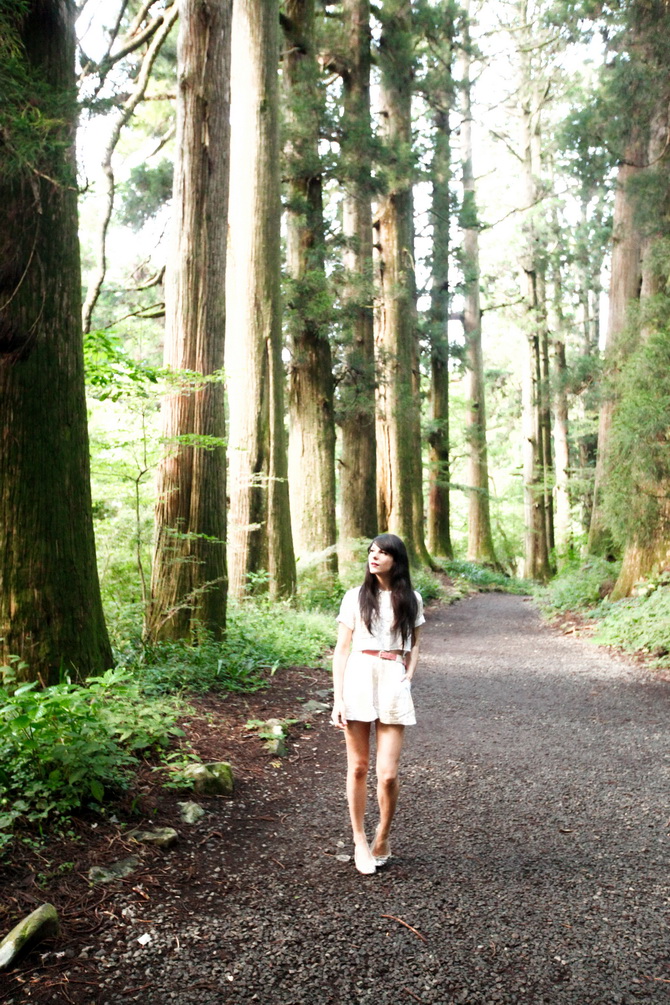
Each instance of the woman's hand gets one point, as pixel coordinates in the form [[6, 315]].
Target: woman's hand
[[338, 717]]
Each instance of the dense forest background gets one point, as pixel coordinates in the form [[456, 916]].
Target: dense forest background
[[277, 277]]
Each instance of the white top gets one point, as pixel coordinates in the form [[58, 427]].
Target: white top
[[382, 635]]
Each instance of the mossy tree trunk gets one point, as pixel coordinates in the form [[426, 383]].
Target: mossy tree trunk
[[399, 489], [259, 517], [50, 608], [625, 279], [647, 550], [311, 453], [358, 462], [189, 581]]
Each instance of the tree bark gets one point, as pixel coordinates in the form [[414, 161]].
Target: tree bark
[[311, 454], [259, 517], [358, 462], [189, 578], [480, 538], [643, 557], [50, 609], [538, 521], [399, 490], [625, 279]]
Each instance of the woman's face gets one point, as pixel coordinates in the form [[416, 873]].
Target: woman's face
[[379, 562]]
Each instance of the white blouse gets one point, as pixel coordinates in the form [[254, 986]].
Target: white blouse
[[382, 635]]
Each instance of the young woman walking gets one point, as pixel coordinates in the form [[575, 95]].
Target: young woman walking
[[373, 665]]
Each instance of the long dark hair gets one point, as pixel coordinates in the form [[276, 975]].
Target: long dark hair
[[404, 602]]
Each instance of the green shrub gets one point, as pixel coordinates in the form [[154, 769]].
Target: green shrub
[[578, 586], [639, 625], [64, 746]]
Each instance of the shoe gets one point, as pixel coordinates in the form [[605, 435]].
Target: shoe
[[364, 863], [380, 859]]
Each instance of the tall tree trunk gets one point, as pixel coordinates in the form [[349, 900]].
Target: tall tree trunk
[[480, 538], [536, 427], [561, 453], [625, 279], [50, 609], [358, 462], [439, 533], [189, 569], [311, 456], [643, 557], [259, 518], [398, 417]]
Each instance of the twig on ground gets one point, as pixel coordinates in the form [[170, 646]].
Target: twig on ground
[[416, 997], [393, 918]]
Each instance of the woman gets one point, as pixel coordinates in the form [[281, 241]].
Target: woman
[[373, 665]]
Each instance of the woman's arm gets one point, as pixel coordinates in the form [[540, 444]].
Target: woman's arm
[[340, 657], [412, 658]]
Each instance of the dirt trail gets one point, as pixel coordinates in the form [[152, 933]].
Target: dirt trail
[[530, 851]]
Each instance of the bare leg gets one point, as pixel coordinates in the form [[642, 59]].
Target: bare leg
[[389, 745], [357, 735]]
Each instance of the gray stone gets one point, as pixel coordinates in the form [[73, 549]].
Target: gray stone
[[215, 779], [41, 924], [312, 707], [162, 837], [190, 812], [117, 870]]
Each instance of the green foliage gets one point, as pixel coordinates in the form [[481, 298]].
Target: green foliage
[[485, 578], [145, 193], [69, 745], [639, 625], [638, 459], [261, 638], [111, 371], [578, 586]]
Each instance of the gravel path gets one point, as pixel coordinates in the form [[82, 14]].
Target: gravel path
[[530, 851]]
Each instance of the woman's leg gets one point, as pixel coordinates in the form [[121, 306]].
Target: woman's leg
[[357, 735], [389, 745]]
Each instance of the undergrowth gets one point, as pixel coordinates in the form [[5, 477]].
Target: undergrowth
[[261, 638], [67, 746], [578, 586], [463, 572], [638, 625]]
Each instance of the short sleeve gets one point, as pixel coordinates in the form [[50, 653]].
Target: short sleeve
[[420, 620], [347, 613]]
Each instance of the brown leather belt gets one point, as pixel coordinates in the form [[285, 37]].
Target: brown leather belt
[[383, 654]]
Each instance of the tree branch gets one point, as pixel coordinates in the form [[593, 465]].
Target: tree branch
[[168, 19]]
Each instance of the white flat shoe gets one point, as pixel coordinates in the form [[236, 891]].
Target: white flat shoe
[[381, 860], [366, 864]]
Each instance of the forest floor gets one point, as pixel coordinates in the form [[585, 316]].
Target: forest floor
[[530, 852]]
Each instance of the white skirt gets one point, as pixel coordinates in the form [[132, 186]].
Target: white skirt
[[377, 689]]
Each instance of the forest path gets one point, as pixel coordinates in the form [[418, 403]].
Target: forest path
[[530, 850]]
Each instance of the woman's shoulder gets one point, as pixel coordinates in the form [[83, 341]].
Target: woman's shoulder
[[350, 598]]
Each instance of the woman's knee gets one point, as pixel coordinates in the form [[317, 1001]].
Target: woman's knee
[[358, 770], [387, 777]]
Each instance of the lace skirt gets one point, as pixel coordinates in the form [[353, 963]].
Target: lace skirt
[[377, 689]]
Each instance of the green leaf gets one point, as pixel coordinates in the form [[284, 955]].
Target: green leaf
[[97, 789]]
